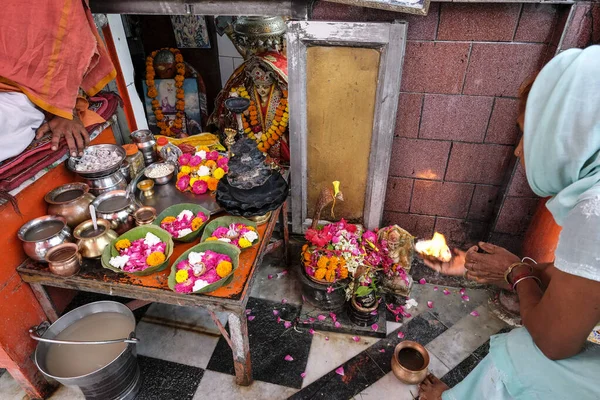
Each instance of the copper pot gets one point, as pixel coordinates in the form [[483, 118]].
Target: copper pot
[[144, 216], [64, 259], [92, 243], [71, 201], [411, 367]]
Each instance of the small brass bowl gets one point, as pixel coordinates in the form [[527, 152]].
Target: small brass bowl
[[405, 373], [147, 187], [144, 216], [64, 259]]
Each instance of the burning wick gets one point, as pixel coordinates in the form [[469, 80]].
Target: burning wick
[[434, 248]]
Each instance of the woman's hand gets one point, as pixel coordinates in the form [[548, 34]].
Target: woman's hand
[[489, 267], [72, 130], [455, 267]]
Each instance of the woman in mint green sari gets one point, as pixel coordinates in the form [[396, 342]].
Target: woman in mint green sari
[[549, 358]]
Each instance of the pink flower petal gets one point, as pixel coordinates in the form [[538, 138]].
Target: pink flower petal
[[446, 292], [465, 297], [311, 319], [382, 350], [333, 316], [340, 371], [311, 331], [248, 311], [374, 312], [275, 312], [422, 281], [375, 327], [474, 313], [462, 290], [329, 289], [356, 338], [435, 288], [430, 304], [251, 317], [303, 298], [401, 335], [287, 324], [337, 324], [303, 375], [284, 301], [270, 277], [278, 320], [283, 273], [289, 358], [326, 337], [322, 318]]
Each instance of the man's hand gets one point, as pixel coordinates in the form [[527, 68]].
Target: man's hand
[[73, 131]]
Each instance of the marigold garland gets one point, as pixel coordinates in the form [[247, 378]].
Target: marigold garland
[[253, 128], [180, 94]]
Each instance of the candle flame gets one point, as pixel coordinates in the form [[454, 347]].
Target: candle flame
[[436, 248]]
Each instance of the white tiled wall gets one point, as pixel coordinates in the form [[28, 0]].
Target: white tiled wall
[[229, 58]]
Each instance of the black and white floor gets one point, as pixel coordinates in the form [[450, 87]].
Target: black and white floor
[[182, 356]]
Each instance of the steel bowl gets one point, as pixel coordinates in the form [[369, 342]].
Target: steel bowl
[[41, 234], [107, 170], [117, 208], [162, 180], [108, 183], [64, 259], [407, 375]]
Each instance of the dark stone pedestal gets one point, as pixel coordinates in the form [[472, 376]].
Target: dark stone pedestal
[[317, 296]]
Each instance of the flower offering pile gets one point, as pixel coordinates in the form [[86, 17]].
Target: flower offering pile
[[140, 254], [184, 224], [201, 269], [238, 234], [201, 172]]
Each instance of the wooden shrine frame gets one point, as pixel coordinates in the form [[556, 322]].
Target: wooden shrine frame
[[390, 40]]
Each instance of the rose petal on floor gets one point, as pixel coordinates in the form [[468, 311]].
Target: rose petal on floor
[[356, 338], [311, 331], [322, 318], [283, 301], [275, 312], [422, 281], [289, 358], [340, 371], [462, 290], [251, 317], [303, 375], [287, 324], [435, 288], [248, 311], [337, 324], [401, 335], [375, 327], [382, 350], [333, 316], [374, 312], [474, 313], [430, 304], [446, 292], [465, 297], [270, 277]]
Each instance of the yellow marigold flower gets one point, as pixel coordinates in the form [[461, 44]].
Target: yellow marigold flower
[[245, 243], [304, 248], [181, 276], [250, 227], [196, 224], [307, 256], [122, 244], [186, 170], [320, 273], [322, 263], [210, 239], [212, 184], [330, 275], [224, 268], [168, 220], [218, 173], [344, 273], [155, 259], [204, 148]]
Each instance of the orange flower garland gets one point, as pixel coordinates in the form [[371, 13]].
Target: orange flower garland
[[278, 125], [152, 93]]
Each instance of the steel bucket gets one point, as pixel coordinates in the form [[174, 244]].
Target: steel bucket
[[119, 379]]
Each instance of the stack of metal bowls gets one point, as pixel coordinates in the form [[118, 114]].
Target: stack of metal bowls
[[144, 140], [106, 178]]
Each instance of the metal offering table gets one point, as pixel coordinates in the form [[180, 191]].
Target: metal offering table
[[231, 298]]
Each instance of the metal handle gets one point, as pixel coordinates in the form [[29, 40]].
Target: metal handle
[[37, 331]]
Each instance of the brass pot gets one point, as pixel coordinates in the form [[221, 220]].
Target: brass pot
[[71, 201], [144, 216], [64, 259], [406, 374], [92, 243]]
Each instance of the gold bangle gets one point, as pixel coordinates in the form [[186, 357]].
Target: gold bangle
[[513, 266]]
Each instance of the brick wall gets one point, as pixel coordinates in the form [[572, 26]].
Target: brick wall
[[453, 168]]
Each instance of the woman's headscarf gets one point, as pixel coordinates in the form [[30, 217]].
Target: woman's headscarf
[[562, 131]]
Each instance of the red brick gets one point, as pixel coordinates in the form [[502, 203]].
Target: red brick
[[419, 27], [483, 203], [451, 117], [409, 115], [503, 127], [420, 226], [512, 243], [415, 158], [583, 29], [460, 233], [398, 194], [434, 67], [498, 69], [326, 11], [537, 23], [478, 163], [519, 187], [515, 215], [441, 198], [481, 22]]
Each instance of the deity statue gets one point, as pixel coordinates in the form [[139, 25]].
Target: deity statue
[[263, 80], [400, 246]]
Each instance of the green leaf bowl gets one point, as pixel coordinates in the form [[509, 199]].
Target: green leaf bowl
[[218, 247], [226, 221], [174, 211], [135, 234]]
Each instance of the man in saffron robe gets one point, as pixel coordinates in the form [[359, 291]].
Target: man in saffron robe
[[48, 51]]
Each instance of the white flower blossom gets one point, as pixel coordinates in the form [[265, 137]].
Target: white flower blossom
[[151, 239], [119, 261]]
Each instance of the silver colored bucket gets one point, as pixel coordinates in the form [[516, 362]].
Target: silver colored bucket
[[119, 379]]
